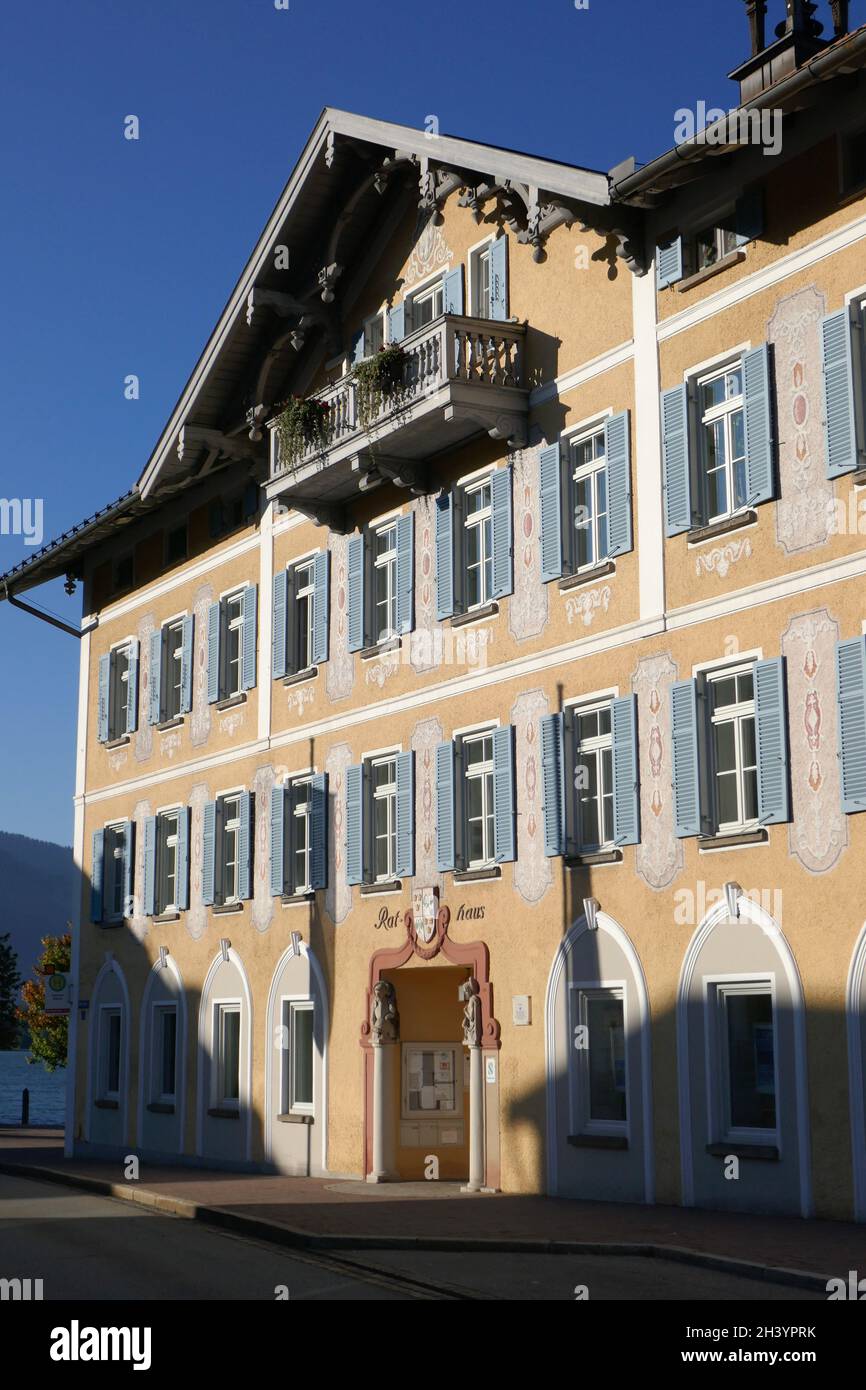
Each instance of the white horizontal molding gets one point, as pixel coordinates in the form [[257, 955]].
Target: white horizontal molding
[[606, 362], [770, 591], [210, 562]]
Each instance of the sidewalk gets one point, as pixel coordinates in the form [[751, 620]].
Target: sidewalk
[[333, 1213]]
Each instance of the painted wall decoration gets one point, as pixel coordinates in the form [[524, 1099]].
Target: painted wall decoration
[[431, 251], [425, 737], [200, 720], [803, 508], [298, 697], [721, 558], [338, 895], [533, 871], [340, 666], [819, 831], [196, 918], [582, 607], [379, 671], [422, 641], [143, 738], [262, 909], [659, 856], [232, 721], [528, 607]]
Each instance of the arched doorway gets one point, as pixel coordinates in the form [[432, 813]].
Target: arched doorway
[[225, 1021], [741, 1043], [599, 1074], [162, 1059], [108, 1069]]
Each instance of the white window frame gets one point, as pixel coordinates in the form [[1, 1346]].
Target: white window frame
[[594, 747], [292, 1005], [221, 1008], [229, 825], [431, 1116], [164, 843], [304, 641], [580, 473], [230, 625], [479, 255], [299, 810], [160, 1009], [717, 990], [482, 521], [388, 794], [112, 873], [483, 772], [725, 413], [387, 562], [732, 714], [118, 689], [170, 708], [380, 320], [106, 1013], [421, 294], [580, 993]]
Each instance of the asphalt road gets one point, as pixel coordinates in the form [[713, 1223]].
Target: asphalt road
[[87, 1247]]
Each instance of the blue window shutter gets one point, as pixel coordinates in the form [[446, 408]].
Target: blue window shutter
[[181, 891], [758, 419], [669, 262], [132, 689], [208, 853], [103, 697], [503, 538], [499, 278], [96, 875], [358, 347], [749, 215], [280, 613], [278, 826], [445, 555], [150, 866], [626, 789], [245, 847], [553, 784], [551, 512], [214, 623], [397, 323], [504, 825], [686, 761], [356, 592], [405, 572], [452, 291], [617, 448], [675, 448], [154, 689], [771, 731], [248, 643], [445, 840], [186, 663], [840, 423], [319, 831], [405, 866], [321, 573], [355, 824], [128, 867], [851, 697]]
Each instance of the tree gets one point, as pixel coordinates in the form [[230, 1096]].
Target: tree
[[48, 1032], [10, 980]]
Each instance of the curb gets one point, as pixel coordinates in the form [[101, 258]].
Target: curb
[[221, 1218]]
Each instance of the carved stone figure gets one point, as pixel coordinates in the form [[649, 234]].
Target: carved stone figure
[[385, 1020], [472, 1014]]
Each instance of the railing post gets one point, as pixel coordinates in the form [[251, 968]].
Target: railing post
[[25, 1106]]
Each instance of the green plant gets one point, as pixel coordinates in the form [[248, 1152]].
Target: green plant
[[378, 379], [302, 422], [48, 1032]]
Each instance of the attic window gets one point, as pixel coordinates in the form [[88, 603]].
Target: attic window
[[854, 161], [176, 544], [124, 573]]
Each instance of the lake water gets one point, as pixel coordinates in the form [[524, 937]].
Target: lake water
[[47, 1091]]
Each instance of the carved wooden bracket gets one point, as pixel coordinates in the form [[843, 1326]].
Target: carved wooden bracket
[[237, 447], [328, 514]]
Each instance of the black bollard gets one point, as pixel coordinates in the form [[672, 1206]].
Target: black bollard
[[25, 1106]]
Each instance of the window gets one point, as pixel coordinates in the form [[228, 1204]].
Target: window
[[594, 777], [384, 541], [116, 872], [227, 851], [109, 1063], [480, 800], [600, 1060], [231, 825], [380, 819], [374, 334], [232, 645], [123, 577], [745, 1056], [734, 750], [305, 589], [164, 1053], [474, 542], [166, 862], [171, 654], [380, 583], [176, 544], [723, 442], [227, 514], [117, 714], [301, 605], [711, 244], [299, 822], [590, 500], [299, 830], [432, 1074], [425, 305], [298, 1022], [480, 273], [227, 1028]]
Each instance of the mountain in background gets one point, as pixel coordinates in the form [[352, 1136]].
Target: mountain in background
[[36, 887]]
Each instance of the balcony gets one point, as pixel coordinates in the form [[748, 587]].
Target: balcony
[[460, 377]]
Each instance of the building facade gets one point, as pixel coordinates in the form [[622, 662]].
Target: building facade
[[472, 719]]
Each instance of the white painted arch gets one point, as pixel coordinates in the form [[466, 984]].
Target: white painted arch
[[154, 973], [110, 966], [297, 948], [246, 1071], [855, 1013]]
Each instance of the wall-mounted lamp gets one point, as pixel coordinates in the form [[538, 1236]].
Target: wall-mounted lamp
[[733, 893], [225, 947], [590, 912]]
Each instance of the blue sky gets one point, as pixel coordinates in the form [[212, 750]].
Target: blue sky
[[118, 256]]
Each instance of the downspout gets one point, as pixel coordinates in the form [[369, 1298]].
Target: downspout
[[78, 632]]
